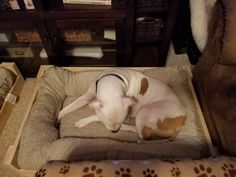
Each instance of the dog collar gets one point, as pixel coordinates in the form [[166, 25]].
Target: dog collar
[[119, 77]]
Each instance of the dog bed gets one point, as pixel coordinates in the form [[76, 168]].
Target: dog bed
[[7, 80], [11, 84], [42, 140]]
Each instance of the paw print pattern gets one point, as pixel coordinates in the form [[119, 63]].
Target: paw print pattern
[[149, 173], [229, 170], [202, 171], [40, 173], [92, 172], [123, 172], [175, 172], [64, 169]]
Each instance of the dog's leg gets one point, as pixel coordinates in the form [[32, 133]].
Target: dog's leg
[[127, 127], [79, 102], [85, 121]]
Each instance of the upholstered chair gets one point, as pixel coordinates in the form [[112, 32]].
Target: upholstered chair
[[215, 77]]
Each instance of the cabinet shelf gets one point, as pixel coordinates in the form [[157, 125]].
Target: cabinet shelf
[[102, 44], [148, 41], [18, 44], [163, 8], [60, 5], [107, 60], [86, 7]]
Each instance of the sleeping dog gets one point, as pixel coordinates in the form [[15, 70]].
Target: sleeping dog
[[119, 93]]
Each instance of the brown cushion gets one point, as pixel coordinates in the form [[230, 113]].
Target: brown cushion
[[214, 78], [229, 41]]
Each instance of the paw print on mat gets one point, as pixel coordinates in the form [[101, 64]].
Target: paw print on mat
[[202, 171], [175, 172], [229, 170], [149, 173], [65, 169], [92, 172], [123, 172], [40, 173]]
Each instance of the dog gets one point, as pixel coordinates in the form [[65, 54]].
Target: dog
[[120, 93]]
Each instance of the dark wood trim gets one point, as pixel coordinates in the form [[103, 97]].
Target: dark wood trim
[[21, 4], [130, 25], [70, 23], [120, 43], [169, 27], [45, 38], [57, 44], [38, 5]]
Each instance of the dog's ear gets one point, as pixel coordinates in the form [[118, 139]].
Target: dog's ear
[[129, 101], [95, 104]]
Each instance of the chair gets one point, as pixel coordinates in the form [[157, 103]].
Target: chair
[[215, 77]]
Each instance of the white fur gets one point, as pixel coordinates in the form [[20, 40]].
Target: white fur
[[112, 98]]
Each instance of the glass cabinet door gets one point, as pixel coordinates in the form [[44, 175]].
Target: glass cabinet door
[[23, 46], [88, 42]]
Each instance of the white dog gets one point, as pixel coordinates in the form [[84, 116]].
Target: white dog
[[119, 93]]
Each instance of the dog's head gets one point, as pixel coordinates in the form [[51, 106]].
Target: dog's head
[[112, 113]]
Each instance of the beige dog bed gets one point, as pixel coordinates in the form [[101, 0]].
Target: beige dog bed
[[42, 140], [11, 84]]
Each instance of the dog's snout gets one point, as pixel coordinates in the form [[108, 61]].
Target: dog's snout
[[115, 131]]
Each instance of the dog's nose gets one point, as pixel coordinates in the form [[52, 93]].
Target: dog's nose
[[115, 131]]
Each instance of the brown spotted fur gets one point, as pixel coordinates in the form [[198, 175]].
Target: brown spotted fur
[[144, 86], [166, 128]]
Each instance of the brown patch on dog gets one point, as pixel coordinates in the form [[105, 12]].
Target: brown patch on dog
[[168, 128], [147, 132], [155, 134], [171, 124], [144, 86]]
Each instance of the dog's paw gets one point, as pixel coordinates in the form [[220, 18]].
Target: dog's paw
[[81, 123], [140, 140], [60, 116]]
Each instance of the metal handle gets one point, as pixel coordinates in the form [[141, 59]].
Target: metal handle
[[55, 39]]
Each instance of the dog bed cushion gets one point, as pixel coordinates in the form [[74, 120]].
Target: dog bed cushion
[[42, 140], [7, 80]]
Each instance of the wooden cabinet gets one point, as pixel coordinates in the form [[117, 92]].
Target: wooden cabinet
[[26, 43], [154, 25], [87, 35], [85, 42]]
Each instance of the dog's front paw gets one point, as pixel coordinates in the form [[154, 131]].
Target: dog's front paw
[[140, 140], [81, 123], [60, 116]]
